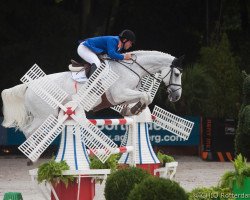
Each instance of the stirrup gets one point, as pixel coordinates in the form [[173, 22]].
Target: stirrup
[[92, 70]]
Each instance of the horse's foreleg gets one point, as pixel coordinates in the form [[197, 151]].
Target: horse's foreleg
[[146, 99], [131, 96]]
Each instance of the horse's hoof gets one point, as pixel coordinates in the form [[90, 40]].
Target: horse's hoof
[[126, 112], [138, 108], [135, 108]]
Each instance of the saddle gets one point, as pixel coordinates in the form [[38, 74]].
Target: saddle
[[78, 67]]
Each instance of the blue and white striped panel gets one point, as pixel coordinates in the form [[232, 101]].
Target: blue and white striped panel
[[72, 150], [144, 151]]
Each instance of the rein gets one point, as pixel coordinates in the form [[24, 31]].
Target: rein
[[125, 64]]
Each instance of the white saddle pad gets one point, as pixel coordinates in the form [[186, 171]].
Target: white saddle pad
[[79, 76]]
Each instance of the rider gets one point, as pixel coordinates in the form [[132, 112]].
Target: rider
[[110, 45]]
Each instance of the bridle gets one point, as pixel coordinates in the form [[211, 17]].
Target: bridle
[[171, 72]]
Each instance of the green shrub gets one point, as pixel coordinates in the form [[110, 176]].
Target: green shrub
[[246, 171], [200, 194], [154, 188], [163, 158], [227, 179], [242, 138], [111, 163], [52, 172], [121, 182]]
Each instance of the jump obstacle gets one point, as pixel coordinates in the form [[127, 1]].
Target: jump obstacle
[[78, 133]]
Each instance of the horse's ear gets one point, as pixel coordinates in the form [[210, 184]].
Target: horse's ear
[[177, 62], [181, 58], [181, 61]]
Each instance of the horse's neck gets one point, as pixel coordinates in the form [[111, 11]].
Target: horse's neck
[[154, 61]]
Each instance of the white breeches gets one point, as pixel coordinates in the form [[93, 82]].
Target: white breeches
[[86, 54]]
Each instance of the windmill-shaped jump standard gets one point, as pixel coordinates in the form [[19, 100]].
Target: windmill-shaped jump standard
[[78, 133], [137, 135], [71, 121]]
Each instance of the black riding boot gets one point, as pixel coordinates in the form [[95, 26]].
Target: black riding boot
[[93, 67]]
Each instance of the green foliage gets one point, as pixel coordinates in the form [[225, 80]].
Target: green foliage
[[121, 182], [223, 193], [197, 88], [52, 172], [163, 158], [209, 193], [221, 65], [227, 179], [200, 194], [154, 188], [242, 139], [241, 170], [246, 171], [111, 163], [242, 142]]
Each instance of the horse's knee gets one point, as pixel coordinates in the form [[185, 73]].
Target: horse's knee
[[147, 98]]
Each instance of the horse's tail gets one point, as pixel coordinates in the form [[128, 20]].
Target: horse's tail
[[15, 114]]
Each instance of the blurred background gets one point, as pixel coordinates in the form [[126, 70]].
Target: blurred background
[[213, 35]]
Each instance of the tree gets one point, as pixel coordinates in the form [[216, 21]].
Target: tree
[[196, 88], [221, 66], [242, 139]]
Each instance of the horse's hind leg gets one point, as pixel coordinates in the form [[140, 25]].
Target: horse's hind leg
[[39, 111]]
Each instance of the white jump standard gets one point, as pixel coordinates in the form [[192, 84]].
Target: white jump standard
[[45, 110], [77, 131]]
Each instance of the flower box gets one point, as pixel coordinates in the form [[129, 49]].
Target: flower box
[[86, 190]]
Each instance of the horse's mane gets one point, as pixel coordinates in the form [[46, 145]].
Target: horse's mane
[[149, 52], [152, 53]]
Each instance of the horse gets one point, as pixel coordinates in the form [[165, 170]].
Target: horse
[[23, 109]]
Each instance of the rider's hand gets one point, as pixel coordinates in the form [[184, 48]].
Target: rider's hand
[[127, 56]]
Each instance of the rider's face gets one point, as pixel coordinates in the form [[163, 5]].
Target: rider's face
[[127, 45]]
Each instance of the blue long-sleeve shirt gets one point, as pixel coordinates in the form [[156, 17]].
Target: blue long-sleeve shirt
[[105, 44]]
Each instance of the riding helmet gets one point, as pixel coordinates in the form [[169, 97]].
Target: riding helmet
[[127, 34]]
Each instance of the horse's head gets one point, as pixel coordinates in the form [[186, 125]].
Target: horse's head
[[172, 78]]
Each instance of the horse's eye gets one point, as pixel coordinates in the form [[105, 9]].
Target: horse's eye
[[176, 74]]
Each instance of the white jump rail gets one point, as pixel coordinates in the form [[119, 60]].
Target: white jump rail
[[166, 120], [122, 149]]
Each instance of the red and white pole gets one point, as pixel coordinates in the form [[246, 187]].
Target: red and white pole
[[122, 121]]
